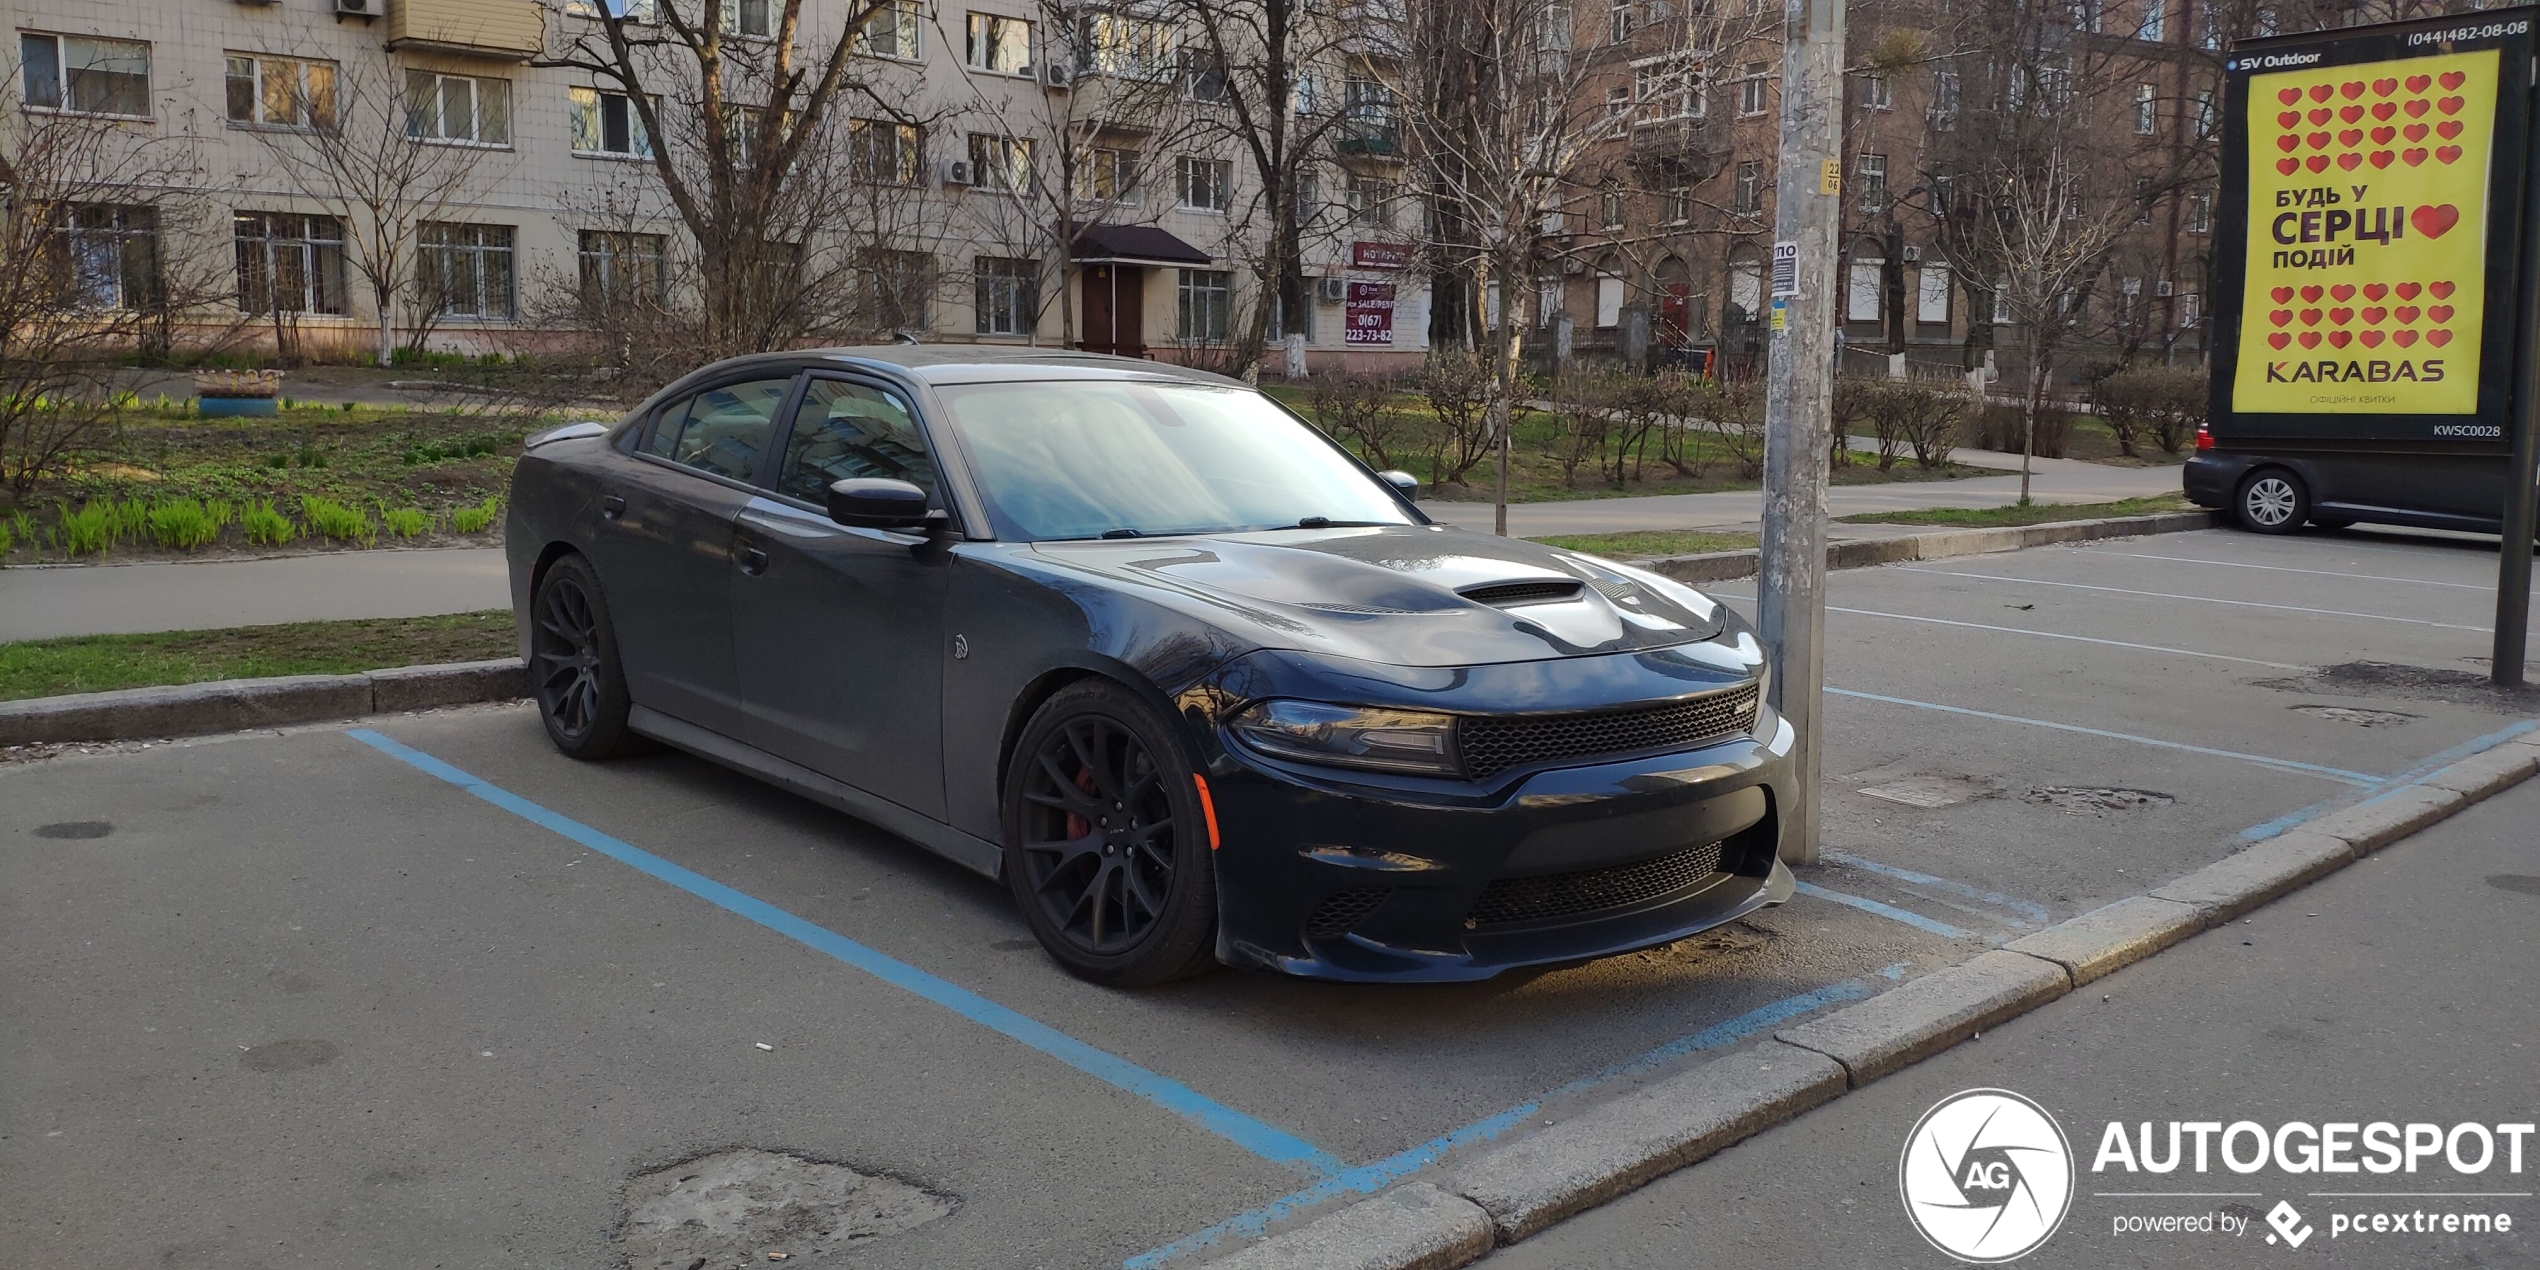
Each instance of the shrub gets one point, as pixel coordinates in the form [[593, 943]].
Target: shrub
[[404, 522], [1457, 386], [1583, 404], [2165, 402], [264, 526], [333, 520], [183, 524], [1907, 414], [1737, 424], [472, 520], [1352, 405], [1998, 428]]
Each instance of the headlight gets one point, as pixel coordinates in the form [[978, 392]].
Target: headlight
[[1352, 736]]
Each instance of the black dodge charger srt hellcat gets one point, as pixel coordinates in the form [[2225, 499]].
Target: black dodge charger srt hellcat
[[1193, 681]]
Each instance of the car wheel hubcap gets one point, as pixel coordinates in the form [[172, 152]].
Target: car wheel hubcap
[[2271, 502], [1097, 841], [565, 656]]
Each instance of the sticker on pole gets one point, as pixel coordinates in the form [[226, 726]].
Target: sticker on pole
[[1986, 1176], [1786, 269]]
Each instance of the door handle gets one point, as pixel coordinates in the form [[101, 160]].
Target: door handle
[[612, 507], [751, 558]]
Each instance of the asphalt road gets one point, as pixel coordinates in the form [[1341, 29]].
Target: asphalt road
[[2396, 990], [303, 1001]]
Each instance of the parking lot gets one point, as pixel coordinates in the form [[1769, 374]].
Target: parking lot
[[424, 992]]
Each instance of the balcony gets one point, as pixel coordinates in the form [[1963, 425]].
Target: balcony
[[1374, 136], [1681, 146], [508, 30]]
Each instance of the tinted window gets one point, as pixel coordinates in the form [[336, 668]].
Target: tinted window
[[844, 430], [721, 430]]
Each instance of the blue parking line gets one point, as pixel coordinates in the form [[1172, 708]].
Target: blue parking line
[[1888, 911], [2428, 766], [2036, 913], [1368, 1179], [1268, 1142], [2282, 764]]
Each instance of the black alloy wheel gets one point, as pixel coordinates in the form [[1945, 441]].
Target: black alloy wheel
[[573, 665], [1107, 850]]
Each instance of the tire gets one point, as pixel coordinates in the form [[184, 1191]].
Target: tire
[[2272, 500], [1121, 904], [575, 674], [2333, 523]]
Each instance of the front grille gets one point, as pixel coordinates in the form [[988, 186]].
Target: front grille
[[1510, 594], [1536, 899], [1494, 743], [1344, 909]]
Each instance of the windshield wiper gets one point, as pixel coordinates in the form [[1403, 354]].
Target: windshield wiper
[[1326, 522], [1122, 533]]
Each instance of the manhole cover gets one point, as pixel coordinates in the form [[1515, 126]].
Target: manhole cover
[[2094, 800], [735, 1207], [2356, 715], [1929, 791]]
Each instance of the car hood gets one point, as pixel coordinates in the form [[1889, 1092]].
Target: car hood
[[1411, 595]]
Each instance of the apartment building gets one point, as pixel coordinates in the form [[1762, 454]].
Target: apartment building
[[968, 226]]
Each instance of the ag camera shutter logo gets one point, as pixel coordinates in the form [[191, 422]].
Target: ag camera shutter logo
[[1986, 1176]]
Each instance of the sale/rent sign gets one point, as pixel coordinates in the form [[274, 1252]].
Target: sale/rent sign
[[1368, 313], [2372, 203]]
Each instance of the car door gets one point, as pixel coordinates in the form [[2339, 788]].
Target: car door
[[665, 549], [840, 631]]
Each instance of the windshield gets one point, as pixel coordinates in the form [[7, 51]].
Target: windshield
[[1085, 459]]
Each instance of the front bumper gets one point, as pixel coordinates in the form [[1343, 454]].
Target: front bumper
[[1355, 876]]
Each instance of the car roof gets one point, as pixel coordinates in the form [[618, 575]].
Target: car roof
[[983, 363]]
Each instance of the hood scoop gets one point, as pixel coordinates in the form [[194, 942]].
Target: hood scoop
[[1509, 595]]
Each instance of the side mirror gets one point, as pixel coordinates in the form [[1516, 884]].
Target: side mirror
[[867, 502], [1403, 481]]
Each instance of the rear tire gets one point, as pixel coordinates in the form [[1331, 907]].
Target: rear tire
[[575, 674], [2333, 523], [2272, 501], [1106, 844]]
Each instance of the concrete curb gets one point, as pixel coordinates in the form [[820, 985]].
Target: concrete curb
[[1615, 1147], [229, 705], [1861, 553]]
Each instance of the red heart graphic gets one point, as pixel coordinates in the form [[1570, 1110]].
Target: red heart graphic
[[2438, 313], [2279, 339], [2447, 153], [2416, 109], [2374, 291], [2310, 339], [2372, 315], [2310, 317], [2414, 132], [2438, 338], [2454, 79], [2372, 339], [2439, 290], [2403, 338], [2380, 159], [2350, 137], [2318, 140], [2381, 136], [2416, 83], [2341, 293], [2406, 313], [2288, 143], [2384, 87], [2353, 90], [2339, 339], [2311, 295], [2350, 161], [2351, 113], [2449, 105], [2340, 317], [2380, 110], [2413, 157], [2289, 119], [2316, 163], [2320, 115], [2281, 294], [2291, 95], [2281, 317], [2320, 92], [2433, 221], [2407, 290], [2448, 129], [2288, 166]]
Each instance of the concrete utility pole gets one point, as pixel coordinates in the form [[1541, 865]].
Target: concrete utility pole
[[1799, 390]]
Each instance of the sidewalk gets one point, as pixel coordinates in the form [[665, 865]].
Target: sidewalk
[[106, 599]]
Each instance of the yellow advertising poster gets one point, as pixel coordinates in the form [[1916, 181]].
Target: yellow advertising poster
[[2367, 237]]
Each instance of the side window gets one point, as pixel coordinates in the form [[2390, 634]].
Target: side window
[[721, 430], [845, 430]]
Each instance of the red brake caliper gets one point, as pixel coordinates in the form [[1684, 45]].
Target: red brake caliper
[[1078, 826]]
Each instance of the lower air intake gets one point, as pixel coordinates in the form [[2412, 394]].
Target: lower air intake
[[1509, 901], [1341, 910]]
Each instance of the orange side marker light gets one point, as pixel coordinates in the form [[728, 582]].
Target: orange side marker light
[[1207, 808]]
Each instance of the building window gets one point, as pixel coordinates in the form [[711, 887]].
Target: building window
[[2143, 200], [1006, 295], [289, 263], [621, 268], [1668, 89], [1931, 294], [1558, 20], [1619, 20], [2205, 115], [607, 123], [110, 253], [2190, 309], [1748, 198], [2152, 27], [631, 10], [885, 152], [97, 77], [1001, 163], [1878, 92], [891, 30], [1610, 210], [1870, 173], [749, 17], [1609, 294], [1943, 190], [2147, 109], [2074, 208], [1126, 46], [2200, 213], [1944, 100], [1370, 201], [2055, 81], [464, 271], [2085, 15], [1207, 305], [1750, 89], [1110, 174], [460, 108], [281, 92], [997, 44], [896, 287], [1675, 205], [1205, 185], [1865, 288]]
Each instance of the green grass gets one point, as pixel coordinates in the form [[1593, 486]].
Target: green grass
[[1650, 543], [405, 522], [2033, 514], [474, 520], [98, 663], [330, 519]]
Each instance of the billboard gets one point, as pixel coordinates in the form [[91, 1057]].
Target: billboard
[[1368, 314], [2370, 224]]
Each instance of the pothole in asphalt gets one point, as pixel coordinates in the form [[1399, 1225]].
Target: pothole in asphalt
[[2095, 800], [75, 830], [2418, 683], [732, 1208], [1930, 792], [2356, 715]]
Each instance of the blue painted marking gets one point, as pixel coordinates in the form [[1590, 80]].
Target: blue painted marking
[[1368, 1179], [1263, 1140], [2035, 912], [1888, 911], [2431, 764], [2283, 764]]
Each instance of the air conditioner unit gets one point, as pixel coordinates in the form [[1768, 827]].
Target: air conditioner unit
[[956, 172], [1331, 290], [360, 8], [1913, 255], [1574, 268], [1057, 75], [2161, 288]]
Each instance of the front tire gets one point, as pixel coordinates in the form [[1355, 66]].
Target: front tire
[[2272, 501], [575, 673], [1106, 843]]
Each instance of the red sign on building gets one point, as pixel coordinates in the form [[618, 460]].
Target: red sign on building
[[1368, 315], [1372, 255]]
